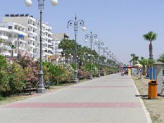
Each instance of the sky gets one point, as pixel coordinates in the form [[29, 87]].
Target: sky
[[120, 24]]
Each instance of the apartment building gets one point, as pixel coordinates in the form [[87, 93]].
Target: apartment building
[[57, 38], [47, 41], [13, 39], [33, 32]]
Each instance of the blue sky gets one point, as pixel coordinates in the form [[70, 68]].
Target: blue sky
[[120, 24]]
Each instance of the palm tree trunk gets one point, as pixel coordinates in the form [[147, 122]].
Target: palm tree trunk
[[150, 51], [151, 57], [143, 70]]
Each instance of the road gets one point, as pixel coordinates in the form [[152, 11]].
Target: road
[[109, 99]]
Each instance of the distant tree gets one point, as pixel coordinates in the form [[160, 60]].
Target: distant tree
[[68, 47], [134, 59], [161, 58], [144, 63]]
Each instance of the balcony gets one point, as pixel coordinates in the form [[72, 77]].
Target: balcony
[[3, 37]]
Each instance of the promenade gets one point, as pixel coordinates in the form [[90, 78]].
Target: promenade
[[109, 99]]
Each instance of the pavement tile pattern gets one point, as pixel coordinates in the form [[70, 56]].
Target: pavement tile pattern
[[109, 99]]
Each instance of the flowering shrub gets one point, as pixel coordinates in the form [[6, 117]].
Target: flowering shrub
[[69, 72], [16, 78], [102, 72], [46, 74], [31, 77], [30, 69], [57, 73], [82, 74], [23, 73], [11, 77]]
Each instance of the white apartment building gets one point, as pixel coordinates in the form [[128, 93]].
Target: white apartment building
[[57, 38], [47, 41], [33, 32], [12, 34]]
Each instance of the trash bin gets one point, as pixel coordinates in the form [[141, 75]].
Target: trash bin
[[152, 89]]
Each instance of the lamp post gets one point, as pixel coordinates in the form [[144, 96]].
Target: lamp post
[[41, 87], [106, 51], [76, 23], [91, 37], [99, 44], [83, 59], [12, 51], [99, 51], [104, 61]]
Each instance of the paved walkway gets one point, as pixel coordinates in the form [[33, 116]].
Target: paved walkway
[[109, 99]]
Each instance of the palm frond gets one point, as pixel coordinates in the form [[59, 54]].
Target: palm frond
[[150, 36]]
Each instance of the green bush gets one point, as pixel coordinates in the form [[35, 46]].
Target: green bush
[[3, 62], [49, 71], [1, 98], [57, 73], [60, 74], [87, 67], [16, 78], [72, 65], [4, 80], [12, 77]]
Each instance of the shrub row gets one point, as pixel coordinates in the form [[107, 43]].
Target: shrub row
[[16, 74]]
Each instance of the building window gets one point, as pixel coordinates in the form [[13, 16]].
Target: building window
[[16, 27], [10, 35], [10, 27]]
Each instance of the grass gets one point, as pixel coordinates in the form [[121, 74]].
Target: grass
[[12, 98]]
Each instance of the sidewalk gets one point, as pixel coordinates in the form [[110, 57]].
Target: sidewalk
[[110, 99]]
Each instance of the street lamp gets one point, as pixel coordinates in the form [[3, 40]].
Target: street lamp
[[104, 60], [99, 45], [76, 23], [106, 51], [91, 37], [41, 87]]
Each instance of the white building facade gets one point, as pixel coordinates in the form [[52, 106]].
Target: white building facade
[[33, 34], [13, 39], [57, 38]]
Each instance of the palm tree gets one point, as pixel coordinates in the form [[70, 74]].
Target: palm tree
[[150, 36], [161, 58], [143, 62], [134, 59]]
